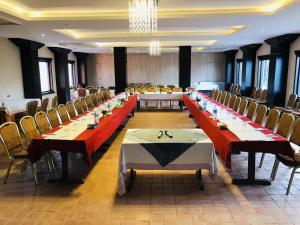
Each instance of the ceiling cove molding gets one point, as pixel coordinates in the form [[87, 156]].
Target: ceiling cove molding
[[83, 35], [30, 14]]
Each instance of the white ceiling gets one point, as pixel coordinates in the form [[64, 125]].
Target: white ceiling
[[200, 21]]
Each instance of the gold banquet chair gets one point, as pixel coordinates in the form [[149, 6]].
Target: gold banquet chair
[[232, 101], [53, 117], [31, 108], [54, 102], [243, 106], [63, 113], [292, 162], [227, 98], [237, 103], [89, 102], [71, 109], [261, 113], [285, 124], [42, 121], [252, 110], [78, 106], [44, 105], [14, 148], [84, 104], [270, 124]]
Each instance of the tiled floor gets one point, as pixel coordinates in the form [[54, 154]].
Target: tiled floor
[[157, 198]]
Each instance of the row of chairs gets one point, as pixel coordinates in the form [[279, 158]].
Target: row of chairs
[[41, 123], [281, 123], [258, 95], [32, 106], [235, 89]]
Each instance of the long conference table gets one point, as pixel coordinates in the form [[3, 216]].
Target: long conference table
[[242, 135], [73, 136]]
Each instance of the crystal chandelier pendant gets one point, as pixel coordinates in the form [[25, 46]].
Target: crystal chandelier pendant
[[142, 16], [154, 48]]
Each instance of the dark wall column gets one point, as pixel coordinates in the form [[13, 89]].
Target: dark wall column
[[30, 67], [120, 61], [61, 73], [248, 70], [82, 67], [230, 67], [278, 68], [185, 66]]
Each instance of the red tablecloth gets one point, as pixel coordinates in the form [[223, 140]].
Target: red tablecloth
[[89, 140], [225, 141]]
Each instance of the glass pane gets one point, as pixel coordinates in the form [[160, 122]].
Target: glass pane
[[44, 76], [70, 70], [264, 73], [297, 77]]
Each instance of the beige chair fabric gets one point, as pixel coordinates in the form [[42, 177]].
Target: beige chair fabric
[[42, 121], [232, 101], [252, 110], [237, 103], [78, 106], [63, 113], [261, 113], [54, 102], [53, 117], [89, 102], [227, 98], [84, 104], [29, 128], [272, 119], [31, 108], [71, 109], [285, 123], [44, 105], [243, 106]]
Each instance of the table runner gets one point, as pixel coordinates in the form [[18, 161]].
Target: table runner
[[226, 141], [201, 155], [87, 141]]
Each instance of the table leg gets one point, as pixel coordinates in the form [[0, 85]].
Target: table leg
[[199, 176], [181, 106], [65, 172], [138, 105], [132, 112], [251, 174], [131, 179]]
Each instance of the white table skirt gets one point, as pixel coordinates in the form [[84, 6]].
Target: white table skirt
[[207, 86], [201, 155], [161, 96], [14, 106]]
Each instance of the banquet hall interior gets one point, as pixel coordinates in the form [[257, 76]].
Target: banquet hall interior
[[149, 112]]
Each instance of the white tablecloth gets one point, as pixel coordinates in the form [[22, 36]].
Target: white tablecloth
[[14, 106], [201, 155], [207, 86], [160, 96]]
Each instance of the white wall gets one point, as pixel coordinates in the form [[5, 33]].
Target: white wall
[[11, 82], [292, 67], [265, 49]]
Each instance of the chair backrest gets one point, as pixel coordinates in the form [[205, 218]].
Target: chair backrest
[[243, 106], [258, 93], [226, 101], [237, 103], [42, 121], [231, 87], [54, 102], [31, 108], [53, 117], [93, 90], [264, 95], [84, 104], [223, 96], [151, 89], [215, 95], [81, 92], [219, 96], [190, 89], [165, 89], [89, 102], [10, 136], [98, 98], [44, 106], [253, 92], [285, 123], [71, 109], [63, 113], [171, 86], [291, 101], [232, 101], [177, 89], [29, 128], [212, 93], [272, 119], [78, 106], [129, 89], [261, 113], [252, 110], [94, 98], [295, 136]]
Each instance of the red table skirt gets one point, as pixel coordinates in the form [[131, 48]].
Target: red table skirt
[[87, 142], [225, 141]]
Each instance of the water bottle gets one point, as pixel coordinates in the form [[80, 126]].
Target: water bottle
[[215, 112], [109, 107], [204, 105], [95, 119]]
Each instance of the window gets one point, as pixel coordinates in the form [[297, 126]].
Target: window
[[45, 75], [239, 69], [263, 72], [71, 72], [297, 74]]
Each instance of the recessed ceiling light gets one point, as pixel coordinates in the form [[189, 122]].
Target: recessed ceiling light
[[43, 35], [262, 30]]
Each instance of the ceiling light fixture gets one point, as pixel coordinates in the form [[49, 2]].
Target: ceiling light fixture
[[142, 16], [154, 48]]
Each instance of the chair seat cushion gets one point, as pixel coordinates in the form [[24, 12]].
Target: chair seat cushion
[[20, 154], [288, 160]]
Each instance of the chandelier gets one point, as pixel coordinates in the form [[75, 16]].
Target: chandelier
[[154, 48], [142, 16]]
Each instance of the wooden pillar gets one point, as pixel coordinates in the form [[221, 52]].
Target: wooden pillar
[[61, 73], [278, 68], [185, 66], [229, 68], [120, 62], [248, 70], [30, 67], [82, 67]]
